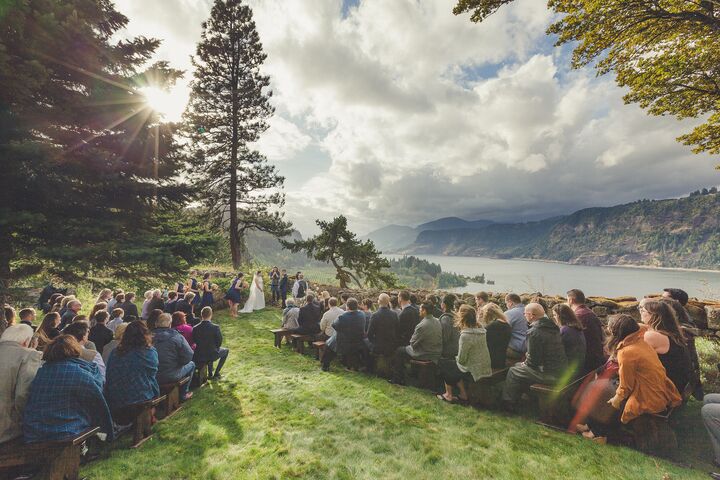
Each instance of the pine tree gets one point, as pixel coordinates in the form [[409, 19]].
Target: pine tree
[[79, 193], [353, 260], [228, 110]]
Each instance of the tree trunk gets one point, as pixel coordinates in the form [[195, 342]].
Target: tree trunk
[[6, 254], [234, 147]]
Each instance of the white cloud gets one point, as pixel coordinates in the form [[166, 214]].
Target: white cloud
[[422, 114]]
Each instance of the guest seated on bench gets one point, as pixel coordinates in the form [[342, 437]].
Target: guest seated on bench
[[499, 333], [117, 336], [573, 337], [132, 370], [592, 330], [66, 396], [18, 365], [383, 330], [117, 317], [290, 315], [48, 330], [545, 362], [450, 333], [333, 312], [667, 339], [425, 343], [81, 332], [208, 338], [408, 318], [179, 323], [473, 359], [100, 334], [515, 315], [309, 317], [186, 306], [349, 335], [174, 355], [644, 387]]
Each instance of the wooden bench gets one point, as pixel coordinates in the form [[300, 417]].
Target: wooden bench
[[59, 460], [484, 392], [382, 365], [299, 341], [427, 371], [554, 401], [140, 414], [200, 377], [172, 393], [279, 333], [319, 347], [652, 434]]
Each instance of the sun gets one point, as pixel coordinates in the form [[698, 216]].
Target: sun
[[168, 103]]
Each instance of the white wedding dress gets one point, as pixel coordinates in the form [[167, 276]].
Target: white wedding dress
[[256, 299]]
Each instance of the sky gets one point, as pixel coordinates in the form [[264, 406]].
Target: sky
[[399, 112]]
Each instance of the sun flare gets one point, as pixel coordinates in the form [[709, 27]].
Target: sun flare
[[168, 103]]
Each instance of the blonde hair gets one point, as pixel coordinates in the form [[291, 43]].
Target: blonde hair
[[119, 331], [148, 295], [466, 317], [66, 300], [103, 293], [491, 311]]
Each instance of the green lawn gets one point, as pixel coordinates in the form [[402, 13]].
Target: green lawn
[[276, 415]]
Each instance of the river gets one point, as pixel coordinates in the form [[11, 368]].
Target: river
[[524, 276]]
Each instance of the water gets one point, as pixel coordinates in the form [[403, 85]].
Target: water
[[524, 276]]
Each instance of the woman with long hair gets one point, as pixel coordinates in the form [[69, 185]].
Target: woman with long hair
[[105, 295], [573, 337], [644, 388], [98, 307], [131, 371], [499, 332], [47, 330], [473, 359], [665, 336]]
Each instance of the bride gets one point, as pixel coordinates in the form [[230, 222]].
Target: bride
[[256, 299]]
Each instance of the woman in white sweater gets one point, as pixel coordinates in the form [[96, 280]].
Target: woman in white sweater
[[473, 360]]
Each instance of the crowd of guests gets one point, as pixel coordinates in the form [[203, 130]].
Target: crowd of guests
[[72, 371], [632, 367]]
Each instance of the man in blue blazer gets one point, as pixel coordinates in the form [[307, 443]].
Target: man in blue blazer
[[283, 287], [208, 340], [349, 335]]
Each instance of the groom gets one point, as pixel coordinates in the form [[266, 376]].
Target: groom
[[283, 287]]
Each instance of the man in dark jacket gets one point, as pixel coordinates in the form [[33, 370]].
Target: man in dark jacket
[[349, 335], [208, 340], [174, 355], [128, 306], [545, 362], [171, 303], [283, 287], [309, 317], [425, 344], [383, 331], [73, 308], [450, 333], [186, 306], [100, 334], [594, 335], [408, 319]]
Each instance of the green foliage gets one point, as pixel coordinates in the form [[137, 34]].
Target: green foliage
[[709, 355], [666, 53], [276, 415], [80, 194], [228, 108], [417, 273], [338, 246]]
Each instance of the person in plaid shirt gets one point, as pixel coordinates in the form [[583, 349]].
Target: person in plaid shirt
[[66, 396]]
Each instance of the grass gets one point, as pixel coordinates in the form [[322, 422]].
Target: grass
[[276, 415]]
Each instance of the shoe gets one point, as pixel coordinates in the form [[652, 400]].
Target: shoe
[[325, 369], [392, 381], [715, 476], [187, 396], [217, 376]]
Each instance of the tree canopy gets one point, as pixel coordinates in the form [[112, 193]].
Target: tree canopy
[[667, 53], [81, 192], [228, 110], [354, 260]]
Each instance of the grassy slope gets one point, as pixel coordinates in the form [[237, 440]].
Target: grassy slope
[[276, 415]]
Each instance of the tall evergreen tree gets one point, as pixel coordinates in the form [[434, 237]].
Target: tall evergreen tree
[[228, 110], [77, 141]]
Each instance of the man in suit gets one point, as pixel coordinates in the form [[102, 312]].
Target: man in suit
[[408, 318], [309, 317], [186, 306], [425, 344], [208, 340], [349, 335], [300, 288], [128, 305], [383, 330], [73, 308], [283, 287]]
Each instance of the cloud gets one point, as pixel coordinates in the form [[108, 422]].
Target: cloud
[[400, 112]]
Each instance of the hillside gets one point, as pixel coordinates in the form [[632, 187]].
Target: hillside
[[396, 237], [678, 233]]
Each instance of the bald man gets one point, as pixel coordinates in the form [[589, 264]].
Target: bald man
[[382, 333], [545, 362]]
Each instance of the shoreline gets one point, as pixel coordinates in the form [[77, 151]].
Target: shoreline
[[543, 260]]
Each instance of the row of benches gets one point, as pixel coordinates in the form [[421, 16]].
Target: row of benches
[[61, 459], [652, 433]]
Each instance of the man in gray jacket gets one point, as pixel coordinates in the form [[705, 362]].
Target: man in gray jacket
[[425, 344], [18, 365], [174, 355], [450, 333]]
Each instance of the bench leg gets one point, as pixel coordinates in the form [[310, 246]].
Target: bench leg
[[142, 429], [65, 465], [172, 402], [321, 353]]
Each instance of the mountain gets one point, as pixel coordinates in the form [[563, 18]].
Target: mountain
[[678, 233], [452, 223], [395, 237]]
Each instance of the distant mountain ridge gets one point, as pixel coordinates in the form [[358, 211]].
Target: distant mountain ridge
[[675, 233], [395, 237]]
